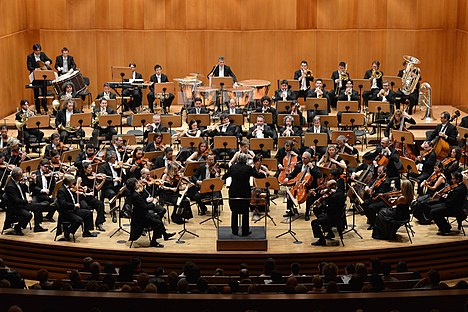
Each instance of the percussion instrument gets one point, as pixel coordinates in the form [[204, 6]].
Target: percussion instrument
[[187, 86], [75, 77], [261, 87], [207, 94], [242, 94]]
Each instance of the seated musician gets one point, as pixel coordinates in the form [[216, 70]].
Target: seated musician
[[386, 95], [347, 94], [53, 145], [337, 175], [374, 75], [106, 93], [5, 170], [137, 162], [339, 77], [25, 133], [259, 168], [163, 160], [331, 159], [262, 171], [198, 107], [15, 155], [157, 145], [261, 130], [143, 217], [386, 153], [154, 127], [450, 204], [299, 172], [133, 92], [200, 153], [372, 203], [100, 128], [88, 156], [318, 128], [342, 147], [120, 149], [170, 189], [412, 99], [68, 93], [243, 149], [92, 184], [330, 213], [287, 151], [70, 210], [266, 108], [5, 139], [167, 98], [427, 159], [62, 122], [444, 131], [64, 62], [396, 209], [398, 122], [289, 129], [227, 128], [452, 162], [151, 189], [209, 170], [232, 109], [222, 70], [43, 187], [193, 131], [33, 63], [305, 77], [284, 93], [112, 185], [56, 165], [318, 93], [20, 204]]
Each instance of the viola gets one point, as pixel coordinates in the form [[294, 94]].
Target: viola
[[447, 161]]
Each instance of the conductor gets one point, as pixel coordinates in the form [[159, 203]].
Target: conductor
[[240, 192]]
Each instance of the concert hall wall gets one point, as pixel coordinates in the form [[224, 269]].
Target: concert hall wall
[[261, 39]]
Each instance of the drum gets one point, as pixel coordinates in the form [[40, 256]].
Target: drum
[[187, 87], [207, 94], [242, 94], [75, 77], [261, 87]]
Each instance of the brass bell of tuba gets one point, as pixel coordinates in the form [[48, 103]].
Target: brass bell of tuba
[[411, 75]]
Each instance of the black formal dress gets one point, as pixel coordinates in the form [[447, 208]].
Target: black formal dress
[[387, 221]]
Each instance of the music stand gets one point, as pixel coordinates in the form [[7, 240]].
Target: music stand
[[280, 122], [236, 119], [284, 106], [141, 120], [121, 72], [329, 121], [362, 83], [69, 156], [44, 76], [261, 144], [40, 121], [297, 140], [112, 103], [118, 196], [129, 139], [463, 133], [347, 106], [270, 163], [191, 167], [350, 160], [152, 155], [81, 120], [293, 84], [171, 121], [290, 231], [203, 120], [163, 88], [403, 137], [157, 173], [225, 143], [190, 142], [113, 120], [268, 117], [211, 186], [267, 184], [221, 82], [316, 104], [325, 171], [408, 165], [394, 81], [348, 134], [315, 139], [352, 120], [378, 108], [30, 165]]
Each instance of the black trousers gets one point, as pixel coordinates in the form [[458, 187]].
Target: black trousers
[[372, 208], [135, 100], [22, 216], [64, 135], [239, 207], [166, 104], [90, 203], [27, 133], [439, 212], [322, 224], [108, 133], [77, 217], [109, 193]]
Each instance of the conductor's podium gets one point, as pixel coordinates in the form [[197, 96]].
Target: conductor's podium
[[254, 242]]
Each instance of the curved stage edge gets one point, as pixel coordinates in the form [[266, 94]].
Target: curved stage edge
[[449, 258]]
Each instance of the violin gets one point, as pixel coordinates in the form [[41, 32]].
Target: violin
[[447, 161], [388, 195], [322, 198], [143, 161], [62, 148], [445, 190]]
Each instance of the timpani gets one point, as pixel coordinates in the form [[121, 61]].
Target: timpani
[[261, 87]]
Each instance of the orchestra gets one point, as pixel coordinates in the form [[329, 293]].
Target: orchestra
[[314, 179]]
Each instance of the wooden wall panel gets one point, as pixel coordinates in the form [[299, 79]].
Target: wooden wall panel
[[268, 14], [224, 14], [306, 14], [176, 14]]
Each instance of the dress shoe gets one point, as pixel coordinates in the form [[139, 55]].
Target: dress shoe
[[18, 231], [100, 228], [307, 218], [168, 235], [444, 233], [114, 217], [39, 229], [372, 131], [89, 234], [66, 237], [156, 244], [47, 219], [320, 242], [250, 232], [330, 235], [202, 213], [370, 227]]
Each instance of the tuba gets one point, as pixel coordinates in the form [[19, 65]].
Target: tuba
[[411, 75], [425, 92]]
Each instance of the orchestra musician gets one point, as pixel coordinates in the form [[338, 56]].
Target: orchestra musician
[[86, 156], [398, 122], [143, 216], [331, 159], [15, 155], [284, 93], [5, 139], [348, 94], [289, 152], [243, 150], [42, 188], [133, 92], [450, 204], [305, 77], [157, 145], [70, 210], [21, 119], [167, 98], [170, 189], [261, 130], [261, 169], [386, 153], [427, 159], [209, 170], [339, 77], [200, 153], [266, 108], [343, 147], [5, 170], [386, 95], [101, 129], [193, 131], [198, 107], [222, 70], [330, 213], [20, 204], [318, 128], [452, 162], [374, 75], [397, 209], [318, 93], [92, 183], [155, 126], [400, 97], [119, 148], [62, 122], [232, 109], [64, 62], [288, 128], [137, 162], [112, 185], [240, 192], [34, 61], [164, 160], [227, 128], [445, 130], [106, 93]]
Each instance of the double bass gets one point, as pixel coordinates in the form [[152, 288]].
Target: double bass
[[289, 162]]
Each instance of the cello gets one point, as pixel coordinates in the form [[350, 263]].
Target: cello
[[442, 147], [289, 162], [299, 190]]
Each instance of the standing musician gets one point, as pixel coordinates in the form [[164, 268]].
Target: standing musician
[[301, 172], [5, 139], [444, 131], [209, 170], [318, 128], [157, 145], [133, 92], [266, 108], [143, 216], [106, 93], [154, 127], [240, 192], [222, 70], [284, 93], [102, 129], [43, 187], [69, 207], [34, 61], [329, 212], [305, 77], [289, 129], [331, 159], [243, 149], [201, 153], [427, 159], [374, 75], [119, 148], [64, 62], [232, 109], [137, 162], [113, 184], [62, 122], [92, 183], [318, 93], [450, 204], [166, 98], [21, 119], [387, 155], [343, 147], [339, 78], [397, 209]]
